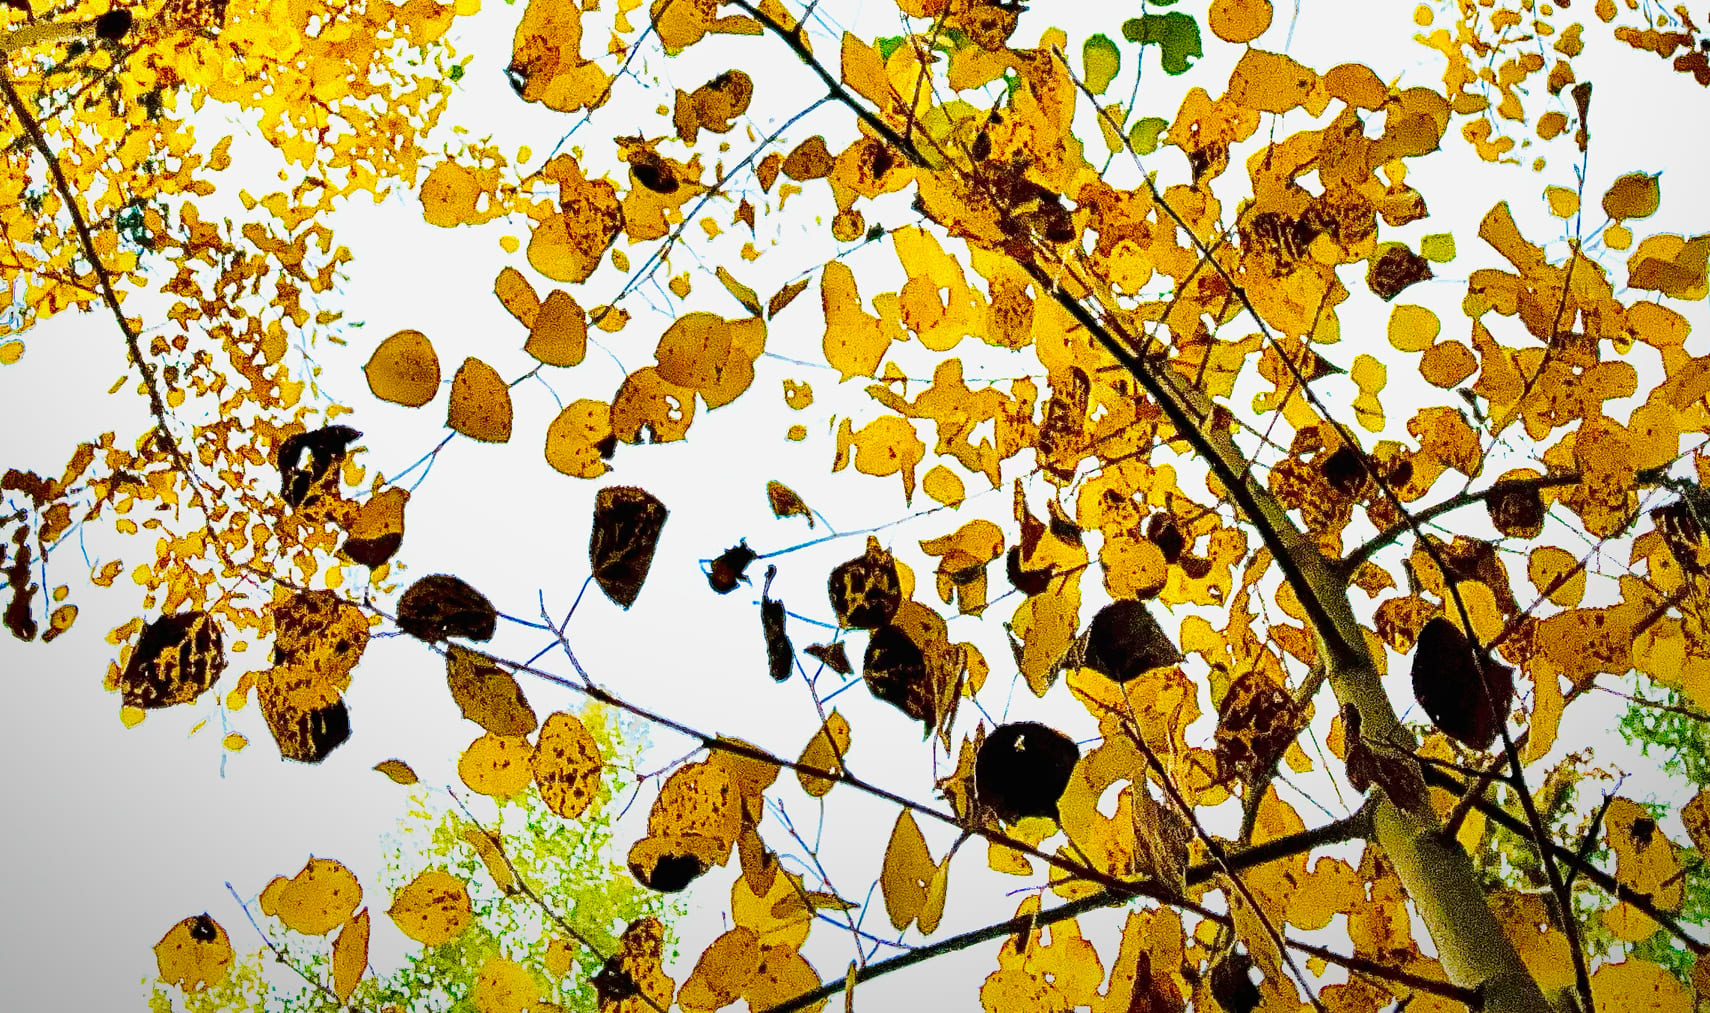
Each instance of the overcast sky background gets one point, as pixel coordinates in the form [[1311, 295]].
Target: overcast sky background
[[116, 834]]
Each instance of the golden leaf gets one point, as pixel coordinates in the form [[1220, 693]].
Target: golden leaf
[[397, 770], [350, 955], [433, 909], [404, 370], [497, 765], [559, 334], [825, 751], [194, 954], [480, 405], [316, 900], [487, 694], [567, 765], [504, 986]]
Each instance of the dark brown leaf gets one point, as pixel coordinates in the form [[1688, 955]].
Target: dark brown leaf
[[627, 523], [298, 479], [833, 655], [20, 618], [1447, 685], [1028, 582], [1255, 723], [306, 736], [730, 567], [780, 654], [1368, 765], [1517, 512], [865, 591], [1124, 641], [1023, 768], [1394, 269], [895, 671], [440, 606], [1232, 983], [177, 659]]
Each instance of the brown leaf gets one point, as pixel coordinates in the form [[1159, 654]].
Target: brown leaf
[[1447, 685], [1395, 268], [780, 655], [1023, 768], [729, 568], [627, 523], [177, 659], [487, 694], [440, 606], [1124, 641], [785, 502], [325, 449], [833, 656], [865, 591]]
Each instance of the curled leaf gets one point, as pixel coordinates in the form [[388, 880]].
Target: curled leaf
[[729, 568], [780, 654]]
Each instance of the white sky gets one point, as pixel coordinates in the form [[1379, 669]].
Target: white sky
[[114, 835]]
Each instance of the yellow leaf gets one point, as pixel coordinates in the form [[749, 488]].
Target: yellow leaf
[[854, 341], [888, 446], [449, 194], [825, 751], [235, 742], [1549, 567], [487, 694], [1270, 82], [567, 765], [781, 974], [559, 954], [314, 901], [404, 370], [493, 857], [194, 954], [350, 955], [749, 299], [907, 873], [1447, 363], [648, 402], [1412, 328], [504, 986], [576, 437], [1369, 375], [1638, 986], [11, 351], [785, 502], [722, 973], [517, 295], [559, 334], [497, 765], [397, 770], [433, 909], [1564, 203], [480, 403], [944, 486], [1634, 195], [1239, 20]]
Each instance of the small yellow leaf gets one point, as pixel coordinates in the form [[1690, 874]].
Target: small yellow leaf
[[397, 770], [504, 986], [785, 502], [722, 972], [493, 857], [480, 403], [497, 765], [944, 486], [825, 751], [350, 955], [10, 352], [235, 742], [1238, 20], [1564, 203], [907, 873], [559, 334], [314, 901], [567, 765], [1412, 328], [194, 954], [517, 295], [404, 370], [576, 438], [433, 909]]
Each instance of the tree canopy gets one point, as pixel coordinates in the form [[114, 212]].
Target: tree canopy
[[1276, 524]]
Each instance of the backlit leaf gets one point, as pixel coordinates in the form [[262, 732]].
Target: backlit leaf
[[497, 765], [1175, 34], [480, 406], [440, 606], [492, 856], [487, 694], [350, 955], [865, 591], [785, 502], [374, 537], [559, 334], [177, 659], [825, 751], [567, 765], [194, 954], [1238, 20], [722, 971], [504, 986], [1634, 195], [433, 909], [907, 872], [626, 527], [404, 370], [1447, 683], [1101, 61], [316, 900], [580, 438], [397, 770], [633, 979]]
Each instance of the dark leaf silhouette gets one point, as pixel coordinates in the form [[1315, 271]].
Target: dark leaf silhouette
[[627, 523], [895, 671], [1255, 723], [780, 655], [1028, 582], [325, 449], [177, 659], [378, 530], [730, 567], [305, 735], [440, 606], [1447, 685], [1517, 512], [20, 619], [1232, 983], [865, 591], [1368, 765], [1022, 769], [833, 655], [1124, 641]]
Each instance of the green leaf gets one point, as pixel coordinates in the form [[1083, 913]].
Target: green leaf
[[1438, 248], [1143, 135], [888, 45], [1175, 34], [1102, 61]]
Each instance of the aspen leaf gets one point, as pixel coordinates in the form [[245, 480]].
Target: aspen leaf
[[700, 800], [730, 567], [1412, 328], [487, 694], [944, 486], [1564, 203], [671, 862], [314, 901], [1696, 817], [1175, 34], [1670, 264], [567, 247], [547, 65], [559, 334], [1447, 684], [194, 954], [440, 606], [633, 979], [713, 106], [1638, 986], [626, 527], [567, 765], [1256, 721], [646, 401], [785, 502], [1447, 363], [1238, 20], [749, 299], [404, 370], [397, 770], [492, 856], [504, 986], [1438, 248], [780, 653], [783, 297], [350, 955], [809, 160], [1270, 82], [433, 909], [1101, 62], [324, 449], [781, 974], [374, 537], [177, 659], [832, 655], [1353, 83], [1370, 376], [855, 343], [694, 349], [480, 406], [1393, 269], [865, 591], [517, 296], [580, 438], [825, 751], [1023, 768], [895, 671], [888, 446], [1558, 573], [1646, 861], [449, 195], [497, 765], [963, 556], [1634, 195], [722, 971], [1124, 640]]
